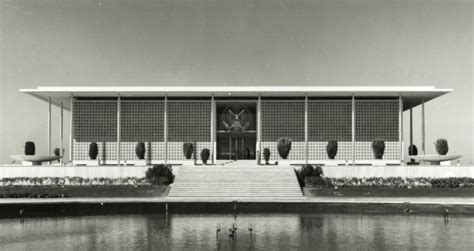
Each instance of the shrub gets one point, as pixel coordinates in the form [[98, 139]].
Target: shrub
[[160, 174], [391, 182], [188, 149], [317, 171], [93, 150], [308, 171], [266, 155], [441, 146], [284, 147], [205, 153], [378, 147], [412, 150], [331, 149], [57, 152], [140, 150], [29, 148], [299, 177]]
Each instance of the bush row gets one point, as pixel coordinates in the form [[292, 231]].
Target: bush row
[[390, 182], [156, 175], [72, 181]]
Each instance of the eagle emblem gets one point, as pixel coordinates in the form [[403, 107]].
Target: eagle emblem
[[236, 118]]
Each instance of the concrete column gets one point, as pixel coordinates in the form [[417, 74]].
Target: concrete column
[[353, 130], [49, 126], [400, 126], [213, 133], [306, 129], [166, 129], [71, 130], [61, 135], [259, 130], [118, 129], [423, 127], [411, 126]]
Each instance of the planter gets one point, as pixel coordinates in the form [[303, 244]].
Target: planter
[[138, 162], [92, 162], [188, 162], [333, 162], [284, 162]]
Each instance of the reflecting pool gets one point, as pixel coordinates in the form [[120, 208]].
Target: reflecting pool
[[268, 232]]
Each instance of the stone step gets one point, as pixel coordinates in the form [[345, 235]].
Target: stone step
[[235, 181]]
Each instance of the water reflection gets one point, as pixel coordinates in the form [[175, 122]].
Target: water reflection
[[269, 232]]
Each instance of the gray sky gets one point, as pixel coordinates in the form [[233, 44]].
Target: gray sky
[[71, 43]]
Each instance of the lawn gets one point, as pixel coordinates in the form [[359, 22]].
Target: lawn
[[389, 192], [83, 191]]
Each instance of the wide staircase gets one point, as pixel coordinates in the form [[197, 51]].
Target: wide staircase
[[234, 181]]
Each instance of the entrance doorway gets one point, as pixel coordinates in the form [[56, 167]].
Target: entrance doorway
[[236, 129]]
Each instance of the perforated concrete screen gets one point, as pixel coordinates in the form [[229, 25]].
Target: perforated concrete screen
[[283, 118], [142, 120], [188, 121], [377, 119], [95, 120], [329, 120]]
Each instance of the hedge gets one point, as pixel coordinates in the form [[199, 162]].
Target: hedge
[[390, 182]]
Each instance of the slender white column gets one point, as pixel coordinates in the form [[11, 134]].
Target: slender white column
[[400, 126], [61, 135], [423, 126], [118, 129], [166, 129], [49, 126], [213, 133], [411, 126], [71, 130], [306, 129], [259, 130], [353, 130]]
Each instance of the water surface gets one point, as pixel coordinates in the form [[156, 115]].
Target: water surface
[[270, 232]]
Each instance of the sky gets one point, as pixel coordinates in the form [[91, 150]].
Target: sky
[[241, 42]]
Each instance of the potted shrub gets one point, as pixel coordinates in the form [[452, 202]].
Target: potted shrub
[[284, 147], [57, 152], [441, 146], [331, 149], [140, 151], [205, 154], [93, 152], [412, 151], [188, 150], [378, 148], [30, 148], [266, 155]]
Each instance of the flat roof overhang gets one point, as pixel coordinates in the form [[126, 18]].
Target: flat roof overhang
[[412, 95]]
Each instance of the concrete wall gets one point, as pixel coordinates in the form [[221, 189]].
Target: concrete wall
[[332, 171]]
